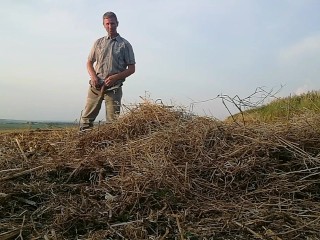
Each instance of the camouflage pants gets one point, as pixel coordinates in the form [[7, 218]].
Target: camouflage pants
[[112, 100]]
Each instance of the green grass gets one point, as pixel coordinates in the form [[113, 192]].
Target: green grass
[[285, 108], [12, 126]]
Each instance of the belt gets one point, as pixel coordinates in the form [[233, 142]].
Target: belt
[[109, 88]]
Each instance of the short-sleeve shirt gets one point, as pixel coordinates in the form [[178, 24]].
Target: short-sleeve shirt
[[111, 56]]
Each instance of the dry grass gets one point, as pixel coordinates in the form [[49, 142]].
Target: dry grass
[[158, 174]]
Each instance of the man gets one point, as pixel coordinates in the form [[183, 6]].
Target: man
[[110, 62]]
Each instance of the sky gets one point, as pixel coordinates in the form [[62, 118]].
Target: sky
[[190, 54]]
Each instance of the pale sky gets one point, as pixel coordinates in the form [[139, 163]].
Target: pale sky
[[186, 51]]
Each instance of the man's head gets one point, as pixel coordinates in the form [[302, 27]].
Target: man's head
[[110, 23], [110, 15]]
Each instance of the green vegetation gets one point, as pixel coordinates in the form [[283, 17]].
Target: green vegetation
[[284, 108], [11, 125]]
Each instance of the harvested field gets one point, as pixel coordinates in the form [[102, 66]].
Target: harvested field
[[160, 174]]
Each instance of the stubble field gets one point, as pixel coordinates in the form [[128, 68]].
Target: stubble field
[[158, 173]]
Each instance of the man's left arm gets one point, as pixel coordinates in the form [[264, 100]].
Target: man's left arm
[[111, 80]]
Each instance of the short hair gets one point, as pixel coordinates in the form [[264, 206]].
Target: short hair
[[110, 15]]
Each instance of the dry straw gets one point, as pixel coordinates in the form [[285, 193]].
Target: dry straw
[[159, 173]]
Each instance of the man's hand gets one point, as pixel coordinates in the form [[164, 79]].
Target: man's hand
[[95, 82], [94, 78], [110, 80]]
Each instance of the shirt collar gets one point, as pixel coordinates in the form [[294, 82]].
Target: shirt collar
[[117, 38]]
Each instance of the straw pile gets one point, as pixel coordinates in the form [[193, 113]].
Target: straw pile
[[158, 173]]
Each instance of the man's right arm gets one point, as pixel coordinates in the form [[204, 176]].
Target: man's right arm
[[92, 73]]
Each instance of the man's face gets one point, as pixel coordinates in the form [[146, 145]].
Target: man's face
[[110, 24]]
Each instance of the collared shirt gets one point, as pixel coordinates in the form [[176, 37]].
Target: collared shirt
[[111, 56]]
